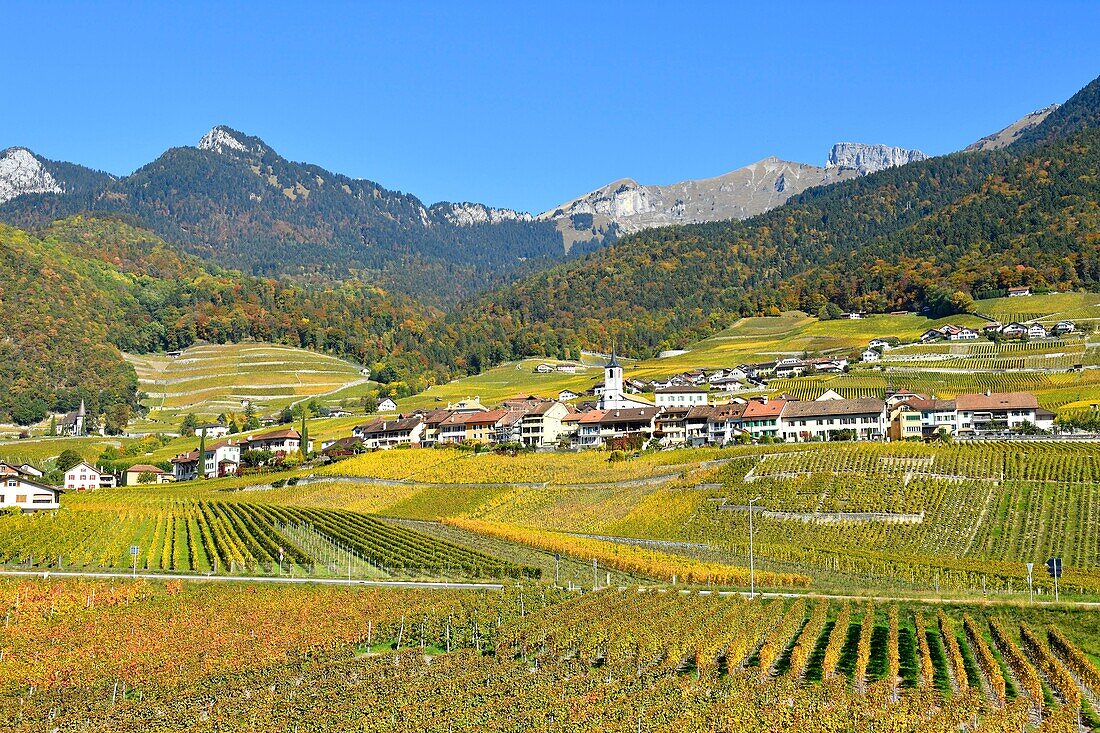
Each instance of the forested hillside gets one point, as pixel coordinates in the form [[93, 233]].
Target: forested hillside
[[931, 234], [237, 202], [88, 287]]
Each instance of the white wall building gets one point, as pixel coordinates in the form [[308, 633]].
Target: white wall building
[[686, 396], [27, 494]]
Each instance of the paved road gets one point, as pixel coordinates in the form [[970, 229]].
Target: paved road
[[443, 585], [439, 585]]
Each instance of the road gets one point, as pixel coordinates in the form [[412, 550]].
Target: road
[[444, 585], [437, 585]]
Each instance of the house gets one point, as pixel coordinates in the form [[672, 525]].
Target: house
[[544, 369], [669, 426], [963, 334], [280, 442], [339, 412], [346, 446], [680, 396], [1014, 331], [598, 427], [696, 424], [725, 423], [566, 368], [932, 334], [881, 344], [789, 367], [726, 384], [936, 415], [1061, 328], [386, 404], [132, 475], [73, 424], [481, 426], [870, 355], [453, 429], [905, 422], [1036, 331], [567, 394], [544, 426], [391, 433], [429, 437], [213, 430], [991, 328], [854, 315], [509, 428], [827, 365], [998, 412], [1019, 292], [761, 417], [220, 459], [29, 470], [27, 494], [865, 417], [85, 477]]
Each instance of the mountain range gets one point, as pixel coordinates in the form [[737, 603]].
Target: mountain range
[[235, 201]]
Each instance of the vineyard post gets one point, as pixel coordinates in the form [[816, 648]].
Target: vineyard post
[[595, 575], [752, 563], [1030, 585]]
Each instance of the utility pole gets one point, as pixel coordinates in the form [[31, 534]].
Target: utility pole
[[752, 562]]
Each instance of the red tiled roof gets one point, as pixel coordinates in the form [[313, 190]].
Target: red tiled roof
[[756, 409]]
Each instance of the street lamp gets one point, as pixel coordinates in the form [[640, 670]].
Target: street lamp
[[752, 565]]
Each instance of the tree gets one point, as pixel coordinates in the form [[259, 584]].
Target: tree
[[202, 453], [187, 427], [370, 404], [68, 459], [146, 477], [251, 422], [115, 418], [53, 426], [27, 409], [305, 437]]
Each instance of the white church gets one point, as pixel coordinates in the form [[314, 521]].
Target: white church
[[613, 396]]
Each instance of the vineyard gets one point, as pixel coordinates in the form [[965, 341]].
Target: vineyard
[[531, 660], [238, 538]]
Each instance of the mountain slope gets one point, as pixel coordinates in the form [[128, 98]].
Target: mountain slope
[[626, 207], [233, 199], [86, 288], [904, 237], [1005, 137]]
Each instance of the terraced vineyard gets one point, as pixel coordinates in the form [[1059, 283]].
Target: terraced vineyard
[[612, 660], [232, 537], [212, 379]]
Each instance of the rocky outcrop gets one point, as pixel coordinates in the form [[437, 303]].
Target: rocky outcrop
[[865, 159], [226, 140], [468, 214], [626, 206], [1007, 136], [21, 172]]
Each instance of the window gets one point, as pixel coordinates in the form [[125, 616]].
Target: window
[[20, 498], [12, 483]]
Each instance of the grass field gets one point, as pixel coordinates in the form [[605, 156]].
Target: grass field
[[212, 379]]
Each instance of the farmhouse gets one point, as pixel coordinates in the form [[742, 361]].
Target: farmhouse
[[598, 427], [1019, 292], [85, 477], [567, 394], [386, 404], [280, 442], [132, 476], [24, 492], [213, 430], [220, 459]]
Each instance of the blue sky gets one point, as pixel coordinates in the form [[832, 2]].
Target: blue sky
[[529, 104]]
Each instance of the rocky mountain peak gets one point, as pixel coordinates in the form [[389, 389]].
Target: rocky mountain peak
[[1009, 135], [21, 172], [866, 159], [227, 141]]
